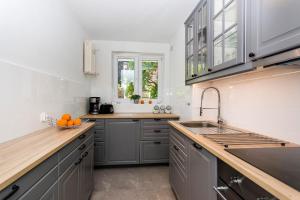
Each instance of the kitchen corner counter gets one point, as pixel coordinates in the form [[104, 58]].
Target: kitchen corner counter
[[131, 116], [274, 186], [20, 155]]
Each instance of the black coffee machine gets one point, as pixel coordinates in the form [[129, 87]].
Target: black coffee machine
[[94, 105]]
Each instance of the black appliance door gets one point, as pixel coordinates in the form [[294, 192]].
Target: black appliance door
[[224, 192]]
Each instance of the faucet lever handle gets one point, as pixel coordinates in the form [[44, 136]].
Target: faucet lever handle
[[201, 111]]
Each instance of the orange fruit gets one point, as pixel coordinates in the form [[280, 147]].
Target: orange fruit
[[77, 122], [66, 117], [61, 122], [70, 123]]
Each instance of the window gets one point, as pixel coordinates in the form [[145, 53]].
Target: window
[[136, 74]]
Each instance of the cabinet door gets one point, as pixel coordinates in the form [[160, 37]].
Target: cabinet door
[[154, 151], [203, 32], [190, 59], [121, 141], [51, 194], [69, 184], [202, 173], [276, 26], [228, 31], [99, 153], [87, 174]]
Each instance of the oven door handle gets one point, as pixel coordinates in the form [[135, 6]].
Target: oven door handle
[[218, 191]]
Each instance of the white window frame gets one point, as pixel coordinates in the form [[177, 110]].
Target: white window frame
[[138, 58]]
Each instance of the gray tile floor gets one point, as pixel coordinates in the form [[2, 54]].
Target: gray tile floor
[[134, 183]]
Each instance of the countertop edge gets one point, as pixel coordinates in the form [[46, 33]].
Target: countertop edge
[[131, 116], [269, 183], [8, 181]]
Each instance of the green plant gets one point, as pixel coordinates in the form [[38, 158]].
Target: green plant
[[135, 97]]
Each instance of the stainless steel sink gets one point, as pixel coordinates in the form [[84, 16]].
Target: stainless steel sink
[[196, 124]]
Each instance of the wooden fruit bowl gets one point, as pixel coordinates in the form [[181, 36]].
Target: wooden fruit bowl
[[69, 127]]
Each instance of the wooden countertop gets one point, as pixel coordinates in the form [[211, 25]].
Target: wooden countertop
[[272, 185], [22, 154], [131, 116]]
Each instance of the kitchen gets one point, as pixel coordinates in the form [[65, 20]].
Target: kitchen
[[161, 99]]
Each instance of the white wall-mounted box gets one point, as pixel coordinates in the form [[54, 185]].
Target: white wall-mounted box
[[89, 58]]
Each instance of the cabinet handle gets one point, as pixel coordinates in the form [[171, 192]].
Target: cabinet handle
[[82, 147], [209, 69], [14, 189], [175, 147], [197, 146], [78, 162], [157, 119], [218, 191], [157, 142], [82, 136], [135, 120], [85, 154], [251, 55], [91, 120], [157, 131]]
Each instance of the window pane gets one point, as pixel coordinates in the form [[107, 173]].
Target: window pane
[[125, 78], [230, 46], [149, 79], [218, 5], [230, 15], [218, 25], [218, 51]]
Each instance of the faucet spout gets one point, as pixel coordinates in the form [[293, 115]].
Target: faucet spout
[[220, 121]]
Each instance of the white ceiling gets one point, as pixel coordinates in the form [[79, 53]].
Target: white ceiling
[[132, 20]]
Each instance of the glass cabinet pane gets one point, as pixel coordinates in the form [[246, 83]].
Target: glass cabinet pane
[[190, 32], [190, 66], [230, 44], [190, 48], [218, 25], [230, 15], [218, 51], [218, 5]]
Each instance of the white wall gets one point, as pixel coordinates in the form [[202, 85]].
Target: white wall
[[41, 65], [266, 102], [102, 85]]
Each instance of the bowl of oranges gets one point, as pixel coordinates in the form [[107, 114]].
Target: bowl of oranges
[[66, 121]]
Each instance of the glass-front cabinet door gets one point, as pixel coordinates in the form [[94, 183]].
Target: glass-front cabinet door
[[202, 61], [227, 33], [190, 47]]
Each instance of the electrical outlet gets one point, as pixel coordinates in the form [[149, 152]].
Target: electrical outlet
[[43, 117]]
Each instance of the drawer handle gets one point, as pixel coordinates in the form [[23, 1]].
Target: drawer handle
[[135, 120], [197, 146], [82, 136], [82, 147], [157, 131], [157, 142], [157, 119], [85, 154], [78, 162], [218, 191], [14, 189], [175, 147], [92, 120]]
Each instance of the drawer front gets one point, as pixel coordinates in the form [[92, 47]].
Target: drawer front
[[154, 133], [146, 123], [176, 149], [99, 135], [180, 140], [99, 153], [28, 180], [68, 161], [40, 188], [154, 151], [99, 123]]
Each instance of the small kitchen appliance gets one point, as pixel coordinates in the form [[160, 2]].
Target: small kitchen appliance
[[94, 105], [106, 109]]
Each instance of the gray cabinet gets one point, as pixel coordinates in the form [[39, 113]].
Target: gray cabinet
[[69, 183], [52, 193], [86, 174], [202, 173], [154, 151], [121, 146], [99, 153], [276, 26]]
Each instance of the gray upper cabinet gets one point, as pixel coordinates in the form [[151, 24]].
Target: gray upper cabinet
[[121, 146], [202, 173], [227, 38], [276, 26], [190, 47]]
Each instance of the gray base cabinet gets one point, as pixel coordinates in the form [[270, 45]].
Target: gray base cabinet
[[202, 173], [154, 151], [66, 175], [193, 170], [121, 141]]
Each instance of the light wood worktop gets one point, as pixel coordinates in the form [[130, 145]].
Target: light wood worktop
[[131, 116], [274, 186], [19, 156]]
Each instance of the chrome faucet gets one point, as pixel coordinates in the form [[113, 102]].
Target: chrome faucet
[[220, 121]]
